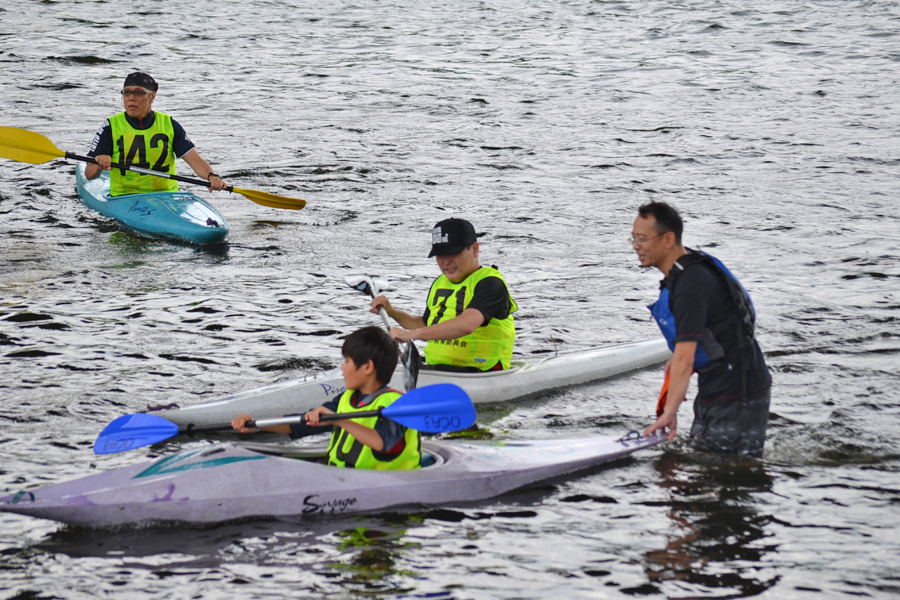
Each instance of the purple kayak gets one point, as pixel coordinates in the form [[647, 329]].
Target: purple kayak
[[223, 482]]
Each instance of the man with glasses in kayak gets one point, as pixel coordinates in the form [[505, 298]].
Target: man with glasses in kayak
[[468, 317], [144, 138], [708, 319]]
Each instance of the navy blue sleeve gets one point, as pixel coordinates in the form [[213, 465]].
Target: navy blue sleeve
[[302, 430], [390, 431], [102, 145], [691, 302], [182, 144]]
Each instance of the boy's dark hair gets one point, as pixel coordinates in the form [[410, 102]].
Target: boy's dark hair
[[667, 218], [373, 343]]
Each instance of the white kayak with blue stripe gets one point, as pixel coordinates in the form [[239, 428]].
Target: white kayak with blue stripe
[[180, 216]]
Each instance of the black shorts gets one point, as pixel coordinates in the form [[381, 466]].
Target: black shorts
[[733, 426]]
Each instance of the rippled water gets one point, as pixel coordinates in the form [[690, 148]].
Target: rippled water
[[772, 126]]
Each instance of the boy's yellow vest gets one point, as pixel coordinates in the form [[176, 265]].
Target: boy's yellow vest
[[146, 148], [484, 347], [345, 451]]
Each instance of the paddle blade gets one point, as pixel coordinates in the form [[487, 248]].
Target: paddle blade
[[411, 360], [133, 431], [271, 200], [437, 408], [27, 146], [379, 284]]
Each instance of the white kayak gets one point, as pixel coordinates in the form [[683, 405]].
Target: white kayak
[[526, 377], [234, 481]]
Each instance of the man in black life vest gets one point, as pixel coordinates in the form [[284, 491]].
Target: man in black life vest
[[708, 319], [468, 316]]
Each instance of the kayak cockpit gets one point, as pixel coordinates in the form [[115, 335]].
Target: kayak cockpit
[[319, 453]]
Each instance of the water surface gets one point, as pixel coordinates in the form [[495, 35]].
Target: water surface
[[772, 126]]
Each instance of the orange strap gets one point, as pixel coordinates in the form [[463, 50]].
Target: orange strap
[[663, 396]]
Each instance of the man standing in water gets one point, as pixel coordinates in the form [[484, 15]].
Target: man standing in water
[[146, 139], [708, 320], [468, 318]]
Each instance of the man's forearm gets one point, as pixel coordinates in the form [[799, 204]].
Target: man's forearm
[[452, 329], [680, 370], [406, 320]]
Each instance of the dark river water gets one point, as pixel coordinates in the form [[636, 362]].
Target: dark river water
[[773, 126]]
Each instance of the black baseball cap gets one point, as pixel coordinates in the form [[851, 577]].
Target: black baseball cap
[[141, 79], [451, 236]]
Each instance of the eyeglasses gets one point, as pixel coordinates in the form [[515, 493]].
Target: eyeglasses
[[637, 242], [136, 93]]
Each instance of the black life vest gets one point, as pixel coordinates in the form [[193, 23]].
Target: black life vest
[[739, 327]]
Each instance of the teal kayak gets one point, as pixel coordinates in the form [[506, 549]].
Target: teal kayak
[[180, 216]]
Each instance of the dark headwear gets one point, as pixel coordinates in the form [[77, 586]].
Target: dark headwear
[[451, 236], [143, 80]]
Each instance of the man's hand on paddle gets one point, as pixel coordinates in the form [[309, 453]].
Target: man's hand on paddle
[[104, 161], [402, 335], [381, 301]]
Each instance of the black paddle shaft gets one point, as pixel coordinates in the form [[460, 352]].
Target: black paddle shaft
[[162, 174]]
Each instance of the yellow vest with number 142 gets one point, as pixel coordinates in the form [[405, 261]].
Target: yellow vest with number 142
[[145, 148]]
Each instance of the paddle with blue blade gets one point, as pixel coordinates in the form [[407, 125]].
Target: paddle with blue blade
[[410, 359], [437, 408], [29, 147]]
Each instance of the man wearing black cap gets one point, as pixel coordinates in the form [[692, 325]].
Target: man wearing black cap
[[468, 318], [147, 139]]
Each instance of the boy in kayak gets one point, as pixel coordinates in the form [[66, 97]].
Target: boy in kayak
[[468, 317], [370, 357], [147, 139]]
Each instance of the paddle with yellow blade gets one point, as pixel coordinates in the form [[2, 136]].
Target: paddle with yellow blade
[[30, 147]]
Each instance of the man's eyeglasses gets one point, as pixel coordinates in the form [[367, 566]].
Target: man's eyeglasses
[[637, 242], [136, 93]]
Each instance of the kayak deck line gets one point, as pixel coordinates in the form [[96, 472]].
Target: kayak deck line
[[225, 482], [181, 216], [527, 377]]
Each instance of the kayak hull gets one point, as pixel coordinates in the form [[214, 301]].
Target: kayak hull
[[234, 481], [525, 378], [179, 216]]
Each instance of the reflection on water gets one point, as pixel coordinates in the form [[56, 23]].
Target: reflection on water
[[370, 557], [718, 543]]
